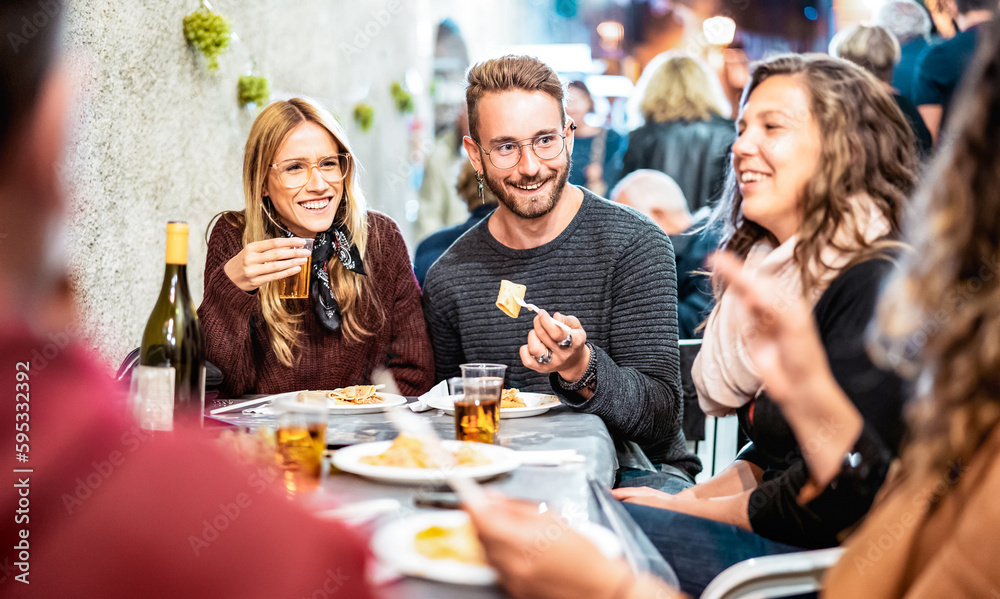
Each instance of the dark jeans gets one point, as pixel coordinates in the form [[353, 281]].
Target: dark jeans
[[667, 479], [699, 549]]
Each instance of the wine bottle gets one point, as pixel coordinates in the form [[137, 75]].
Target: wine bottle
[[169, 383]]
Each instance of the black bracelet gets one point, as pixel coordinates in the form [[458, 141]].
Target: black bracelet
[[588, 379]]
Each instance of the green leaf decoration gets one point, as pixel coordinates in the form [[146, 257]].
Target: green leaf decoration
[[251, 89], [403, 98], [364, 116], [209, 32]]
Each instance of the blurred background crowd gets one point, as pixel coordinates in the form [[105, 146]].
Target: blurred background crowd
[[646, 77]]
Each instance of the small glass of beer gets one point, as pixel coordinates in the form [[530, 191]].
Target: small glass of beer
[[297, 285], [477, 406], [301, 440]]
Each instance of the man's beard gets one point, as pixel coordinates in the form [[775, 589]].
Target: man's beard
[[534, 206]]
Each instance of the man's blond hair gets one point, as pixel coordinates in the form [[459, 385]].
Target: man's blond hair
[[508, 73]]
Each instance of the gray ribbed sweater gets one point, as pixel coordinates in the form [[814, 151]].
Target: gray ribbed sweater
[[614, 270]]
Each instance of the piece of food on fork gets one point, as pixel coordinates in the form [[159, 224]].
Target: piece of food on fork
[[511, 300], [510, 292]]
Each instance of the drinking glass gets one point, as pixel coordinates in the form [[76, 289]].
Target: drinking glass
[[297, 285], [301, 441], [477, 407]]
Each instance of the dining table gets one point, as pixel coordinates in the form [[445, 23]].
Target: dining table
[[577, 490]]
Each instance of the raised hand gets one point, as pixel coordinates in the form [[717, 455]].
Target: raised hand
[[264, 261]]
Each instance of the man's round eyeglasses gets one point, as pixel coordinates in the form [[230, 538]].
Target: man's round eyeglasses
[[295, 173], [508, 154]]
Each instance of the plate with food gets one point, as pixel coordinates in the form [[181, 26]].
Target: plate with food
[[513, 403], [442, 546], [405, 461], [356, 399]]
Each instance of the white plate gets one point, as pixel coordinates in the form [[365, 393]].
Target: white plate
[[393, 544], [348, 459], [390, 400], [533, 405]]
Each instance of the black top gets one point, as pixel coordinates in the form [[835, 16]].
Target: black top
[[694, 153], [842, 315]]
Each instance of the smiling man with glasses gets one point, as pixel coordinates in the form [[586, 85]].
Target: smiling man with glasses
[[577, 253]]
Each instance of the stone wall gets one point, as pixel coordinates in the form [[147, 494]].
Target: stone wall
[[158, 137]]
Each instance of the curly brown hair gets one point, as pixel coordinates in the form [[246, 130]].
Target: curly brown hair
[[940, 316], [868, 148]]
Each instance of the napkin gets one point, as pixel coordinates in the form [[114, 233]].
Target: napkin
[[438, 390], [552, 457]]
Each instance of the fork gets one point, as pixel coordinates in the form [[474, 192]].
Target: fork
[[535, 309]]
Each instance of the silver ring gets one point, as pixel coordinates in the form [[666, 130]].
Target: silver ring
[[568, 341], [545, 358]]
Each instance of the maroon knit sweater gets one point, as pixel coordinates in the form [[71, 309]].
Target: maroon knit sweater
[[238, 342]]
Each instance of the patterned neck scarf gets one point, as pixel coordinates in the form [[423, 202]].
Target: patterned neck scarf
[[333, 241]]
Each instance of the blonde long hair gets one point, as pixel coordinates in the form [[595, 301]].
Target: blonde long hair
[[677, 86], [352, 291]]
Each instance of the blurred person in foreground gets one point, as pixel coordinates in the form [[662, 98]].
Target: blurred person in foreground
[[822, 167], [103, 510], [481, 202], [660, 198], [876, 50], [597, 149], [578, 254], [687, 132], [933, 530], [910, 23], [300, 181], [940, 68]]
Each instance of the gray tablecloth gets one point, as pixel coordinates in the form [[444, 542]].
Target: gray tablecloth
[[576, 491]]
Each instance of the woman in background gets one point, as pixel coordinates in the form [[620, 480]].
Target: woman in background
[[687, 131], [597, 150], [363, 312]]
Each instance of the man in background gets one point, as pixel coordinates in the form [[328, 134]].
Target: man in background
[[481, 203], [940, 68], [660, 198]]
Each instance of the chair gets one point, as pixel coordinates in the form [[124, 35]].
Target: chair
[[774, 575], [714, 440]]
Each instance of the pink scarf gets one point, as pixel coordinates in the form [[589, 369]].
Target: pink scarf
[[723, 371]]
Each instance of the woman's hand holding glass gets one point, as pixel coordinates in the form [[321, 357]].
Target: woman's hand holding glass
[[265, 261]]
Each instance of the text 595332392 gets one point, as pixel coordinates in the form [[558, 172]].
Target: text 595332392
[[22, 474]]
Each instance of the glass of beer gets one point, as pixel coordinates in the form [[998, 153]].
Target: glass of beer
[[477, 408], [301, 440], [297, 285]]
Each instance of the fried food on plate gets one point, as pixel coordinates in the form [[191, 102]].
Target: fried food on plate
[[457, 543], [408, 452]]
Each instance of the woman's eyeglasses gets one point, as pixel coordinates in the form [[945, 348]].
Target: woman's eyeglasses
[[295, 173]]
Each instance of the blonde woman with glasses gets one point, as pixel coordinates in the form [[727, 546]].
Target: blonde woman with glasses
[[363, 306]]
